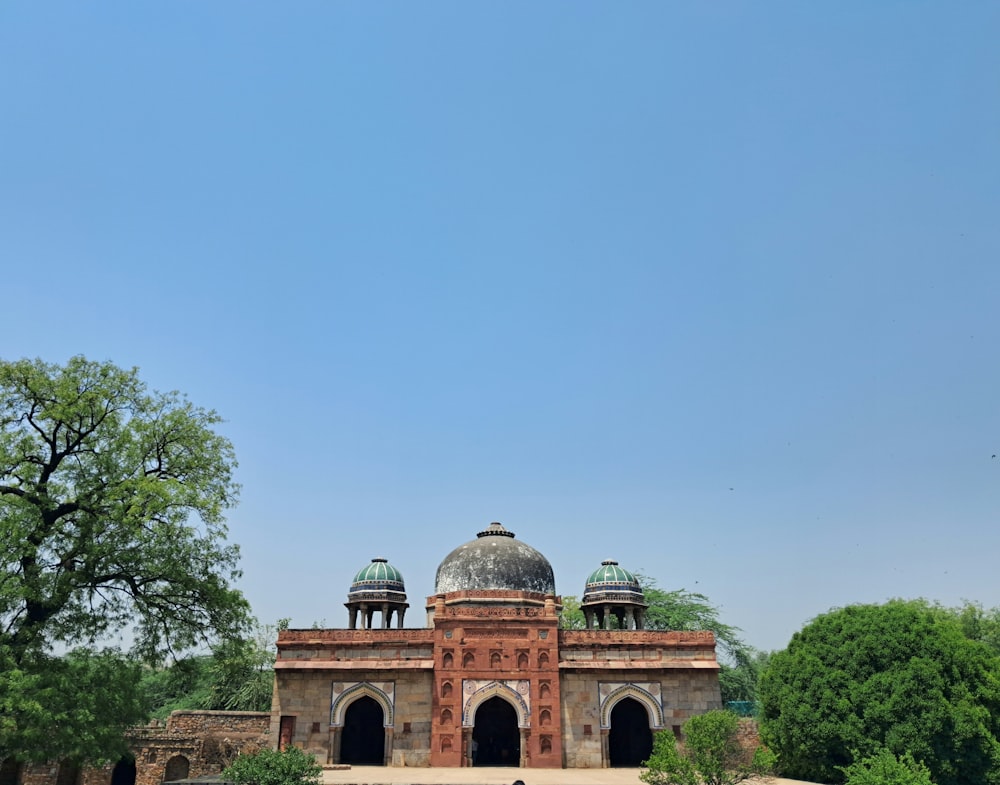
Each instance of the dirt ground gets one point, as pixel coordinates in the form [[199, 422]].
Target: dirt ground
[[389, 775]]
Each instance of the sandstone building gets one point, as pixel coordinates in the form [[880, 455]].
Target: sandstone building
[[491, 679]]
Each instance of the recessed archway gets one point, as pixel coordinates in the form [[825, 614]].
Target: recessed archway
[[69, 773], [124, 772], [363, 739], [177, 768], [495, 735], [630, 740]]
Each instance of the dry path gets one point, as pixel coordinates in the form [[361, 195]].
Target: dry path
[[484, 775]]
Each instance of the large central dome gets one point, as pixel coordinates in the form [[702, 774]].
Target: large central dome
[[495, 560]]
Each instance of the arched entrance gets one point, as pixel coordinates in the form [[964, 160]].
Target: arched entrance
[[495, 735], [124, 772], [630, 741], [363, 739], [177, 768]]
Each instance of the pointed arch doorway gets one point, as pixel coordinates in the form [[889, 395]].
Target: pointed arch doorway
[[363, 739], [630, 740], [496, 737]]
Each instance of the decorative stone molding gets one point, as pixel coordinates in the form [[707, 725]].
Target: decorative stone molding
[[345, 693], [475, 692], [668, 638], [648, 693], [286, 637]]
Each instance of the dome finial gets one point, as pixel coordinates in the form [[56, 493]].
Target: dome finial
[[495, 529]]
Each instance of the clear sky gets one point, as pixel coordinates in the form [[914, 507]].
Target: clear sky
[[708, 288]]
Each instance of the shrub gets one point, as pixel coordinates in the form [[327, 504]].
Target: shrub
[[884, 768], [710, 755], [291, 766]]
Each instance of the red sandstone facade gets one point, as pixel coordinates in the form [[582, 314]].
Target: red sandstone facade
[[516, 636]]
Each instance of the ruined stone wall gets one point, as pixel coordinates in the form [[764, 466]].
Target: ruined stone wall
[[748, 734], [192, 744]]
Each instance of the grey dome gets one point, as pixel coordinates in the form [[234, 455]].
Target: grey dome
[[495, 560]]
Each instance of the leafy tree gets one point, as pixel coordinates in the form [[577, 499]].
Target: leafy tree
[[290, 766], [242, 671], [69, 706], [710, 755], [237, 676], [572, 617], [738, 678], [901, 676], [184, 684], [884, 768], [111, 517], [979, 624]]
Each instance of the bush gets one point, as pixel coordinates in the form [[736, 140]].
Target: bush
[[884, 768], [710, 755], [291, 766]]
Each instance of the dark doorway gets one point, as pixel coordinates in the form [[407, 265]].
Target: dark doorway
[[496, 739], [68, 774], [363, 739], [630, 741], [10, 772], [124, 773]]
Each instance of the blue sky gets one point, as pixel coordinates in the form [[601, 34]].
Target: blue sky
[[708, 288]]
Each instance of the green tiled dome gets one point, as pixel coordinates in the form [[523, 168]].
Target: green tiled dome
[[610, 572], [610, 579], [377, 576]]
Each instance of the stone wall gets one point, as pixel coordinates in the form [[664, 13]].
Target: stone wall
[[191, 744], [748, 734]]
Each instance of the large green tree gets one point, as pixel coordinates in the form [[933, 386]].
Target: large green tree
[[112, 499], [902, 676]]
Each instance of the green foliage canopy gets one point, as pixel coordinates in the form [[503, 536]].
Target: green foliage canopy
[[111, 518], [237, 676], [900, 676], [710, 755]]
